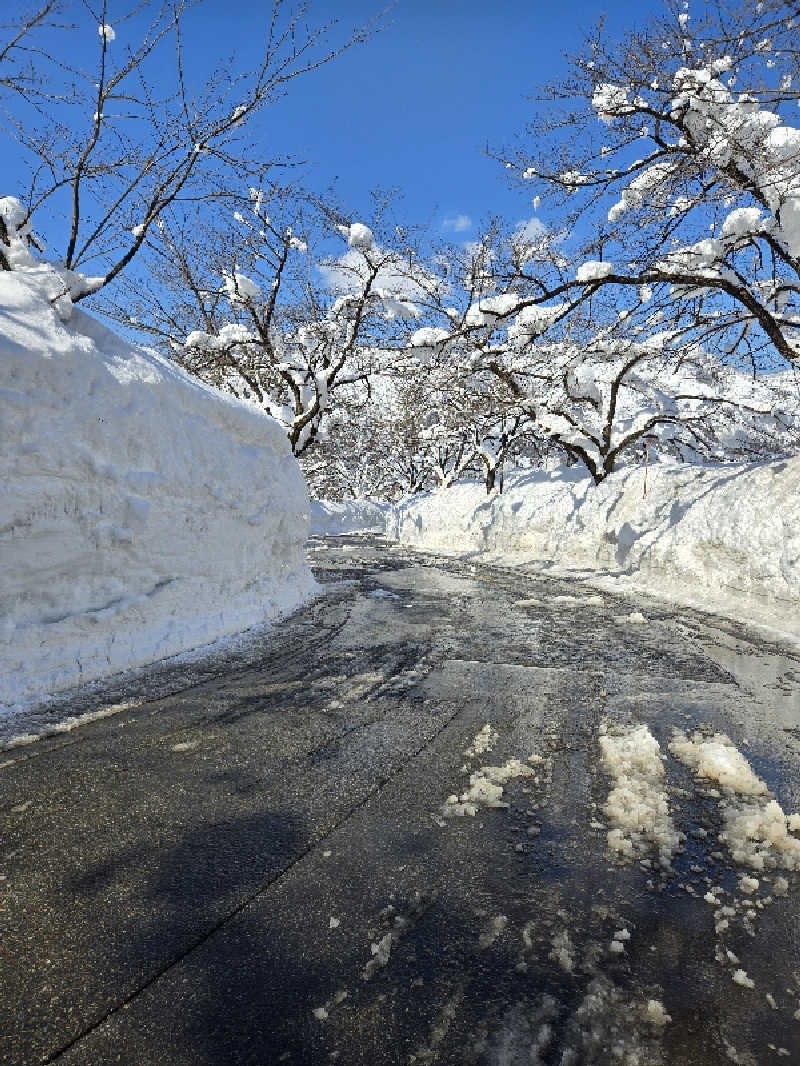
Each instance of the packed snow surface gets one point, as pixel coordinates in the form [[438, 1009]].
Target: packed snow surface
[[143, 514], [725, 537], [335, 517]]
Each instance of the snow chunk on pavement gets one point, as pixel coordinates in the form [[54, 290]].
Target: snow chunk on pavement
[[655, 1013], [492, 930], [719, 760], [756, 830], [563, 951], [485, 789], [484, 741], [637, 805]]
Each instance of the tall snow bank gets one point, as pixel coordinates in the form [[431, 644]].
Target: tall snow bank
[[724, 536], [143, 514], [335, 517]]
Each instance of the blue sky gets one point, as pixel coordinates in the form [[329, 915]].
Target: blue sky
[[412, 108], [416, 105]]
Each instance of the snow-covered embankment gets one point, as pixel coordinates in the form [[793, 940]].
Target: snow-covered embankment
[[143, 514], [337, 517], [723, 537]]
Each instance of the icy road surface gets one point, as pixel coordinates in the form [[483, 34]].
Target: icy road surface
[[446, 814]]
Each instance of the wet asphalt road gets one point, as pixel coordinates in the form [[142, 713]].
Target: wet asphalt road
[[250, 864]]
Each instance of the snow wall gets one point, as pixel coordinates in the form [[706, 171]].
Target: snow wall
[[336, 517], [143, 514], [724, 537]]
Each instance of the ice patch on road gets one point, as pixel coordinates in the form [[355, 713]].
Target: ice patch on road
[[492, 930], [383, 594], [637, 805], [68, 724], [441, 1027]]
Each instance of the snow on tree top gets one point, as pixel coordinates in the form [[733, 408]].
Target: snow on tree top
[[428, 336], [592, 270], [241, 289], [358, 236], [610, 101]]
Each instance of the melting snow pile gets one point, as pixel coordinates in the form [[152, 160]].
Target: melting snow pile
[[637, 805], [144, 514], [486, 787], [729, 533], [484, 741], [334, 517], [756, 830]]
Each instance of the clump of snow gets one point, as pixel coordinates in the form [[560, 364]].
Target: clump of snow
[[359, 236], [655, 1014], [484, 741], [428, 336], [637, 805], [399, 921], [742, 222], [740, 978], [756, 830], [144, 514], [337, 517], [241, 290], [563, 951], [53, 281], [726, 537], [610, 101], [486, 788], [719, 760], [594, 270], [780, 887], [533, 321], [490, 309]]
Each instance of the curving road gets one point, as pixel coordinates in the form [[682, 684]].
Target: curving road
[[380, 835]]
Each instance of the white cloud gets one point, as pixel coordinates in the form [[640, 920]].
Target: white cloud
[[530, 230], [459, 223]]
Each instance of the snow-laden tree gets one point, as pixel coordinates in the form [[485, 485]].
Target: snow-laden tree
[[285, 304], [600, 400], [593, 380], [113, 132], [672, 158]]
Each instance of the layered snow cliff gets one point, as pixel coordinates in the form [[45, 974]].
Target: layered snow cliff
[[142, 513]]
